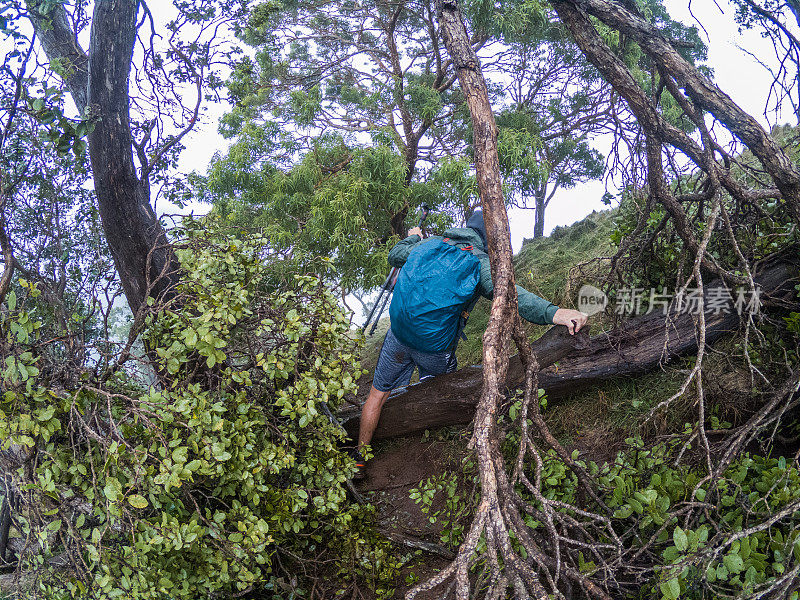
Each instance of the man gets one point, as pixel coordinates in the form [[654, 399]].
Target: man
[[428, 341]]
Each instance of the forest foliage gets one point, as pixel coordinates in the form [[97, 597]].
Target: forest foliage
[[194, 487], [184, 448]]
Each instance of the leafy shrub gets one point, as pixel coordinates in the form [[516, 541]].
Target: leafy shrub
[[457, 502], [733, 547], [223, 475], [693, 540]]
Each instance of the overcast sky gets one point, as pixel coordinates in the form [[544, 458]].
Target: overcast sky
[[735, 72]]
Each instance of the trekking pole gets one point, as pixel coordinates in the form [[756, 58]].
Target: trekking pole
[[390, 281], [388, 285], [384, 288]]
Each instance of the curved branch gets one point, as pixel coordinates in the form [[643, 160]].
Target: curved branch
[[61, 44], [8, 261], [701, 89]]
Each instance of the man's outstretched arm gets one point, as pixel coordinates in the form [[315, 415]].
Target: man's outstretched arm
[[533, 308]]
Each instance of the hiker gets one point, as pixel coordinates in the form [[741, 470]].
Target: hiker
[[441, 281]]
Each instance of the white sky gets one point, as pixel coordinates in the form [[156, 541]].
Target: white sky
[[735, 72]]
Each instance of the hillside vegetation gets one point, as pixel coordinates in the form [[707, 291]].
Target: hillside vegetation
[[611, 425]]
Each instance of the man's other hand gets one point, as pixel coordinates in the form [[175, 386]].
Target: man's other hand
[[415, 231], [573, 319]]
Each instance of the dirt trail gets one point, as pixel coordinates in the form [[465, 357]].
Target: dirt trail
[[398, 467], [405, 463]]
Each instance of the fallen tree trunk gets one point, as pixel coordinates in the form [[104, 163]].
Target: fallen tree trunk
[[451, 399], [644, 343], [639, 345]]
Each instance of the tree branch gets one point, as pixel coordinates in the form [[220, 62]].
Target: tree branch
[[61, 46], [702, 91]]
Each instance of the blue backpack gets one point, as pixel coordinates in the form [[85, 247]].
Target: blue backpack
[[438, 282]]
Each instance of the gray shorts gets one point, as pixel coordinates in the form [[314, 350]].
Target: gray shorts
[[397, 361]]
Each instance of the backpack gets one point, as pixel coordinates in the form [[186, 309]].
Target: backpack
[[438, 282]]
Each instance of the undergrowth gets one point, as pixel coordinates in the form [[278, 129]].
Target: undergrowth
[[730, 552]]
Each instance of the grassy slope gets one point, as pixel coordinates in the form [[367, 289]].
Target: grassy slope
[[543, 266]]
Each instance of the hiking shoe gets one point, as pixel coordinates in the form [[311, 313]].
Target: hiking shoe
[[360, 465]]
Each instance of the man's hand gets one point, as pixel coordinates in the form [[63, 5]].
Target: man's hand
[[573, 319], [415, 231]]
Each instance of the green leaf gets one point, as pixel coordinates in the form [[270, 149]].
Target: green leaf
[[679, 539], [734, 563], [623, 512], [79, 147], [637, 506], [671, 554], [671, 589], [54, 525], [112, 489], [46, 414], [137, 501], [179, 454], [219, 452]]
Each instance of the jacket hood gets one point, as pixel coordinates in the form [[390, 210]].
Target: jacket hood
[[475, 222], [467, 235]]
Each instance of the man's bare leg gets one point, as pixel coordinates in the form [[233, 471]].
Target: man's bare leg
[[370, 413]]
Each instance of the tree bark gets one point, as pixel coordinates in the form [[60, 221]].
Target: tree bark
[[794, 6], [99, 81], [5, 516], [701, 90], [8, 258], [640, 345], [450, 399], [59, 42], [490, 518], [538, 224]]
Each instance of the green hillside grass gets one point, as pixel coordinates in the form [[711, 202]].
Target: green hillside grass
[[543, 267]]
